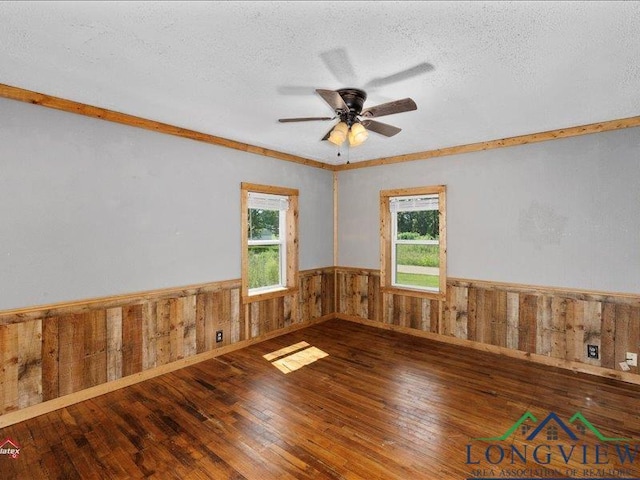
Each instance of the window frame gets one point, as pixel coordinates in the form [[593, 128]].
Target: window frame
[[288, 241], [387, 230]]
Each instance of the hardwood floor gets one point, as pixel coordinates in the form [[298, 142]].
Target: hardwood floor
[[379, 405]]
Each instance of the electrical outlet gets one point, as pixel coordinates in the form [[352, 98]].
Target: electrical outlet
[[592, 351], [218, 336], [632, 359]]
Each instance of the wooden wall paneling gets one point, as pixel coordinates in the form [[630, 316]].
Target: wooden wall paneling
[[387, 308], [435, 315], [189, 346], [513, 320], [472, 312], [407, 310], [9, 368], [317, 296], [29, 363], [575, 330], [345, 294], [71, 356], [217, 320], [328, 291], [362, 295], [499, 321], [50, 359], [353, 295], [486, 307], [69, 348], [399, 311], [341, 292], [209, 327], [607, 336], [414, 316], [449, 312], [132, 339], [95, 348], [456, 312], [278, 312], [236, 316], [114, 343], [148, 335], [163, 331], [374, 297], [544, 325], [200, 327], [312, 297], [264, 317], [592, 321], [224, 320], [306, 287], [633, 344], [558, 328], [485, 315], [622, 344], [425, 315], [254, 319], [527, 322], [292, 303], [176, 328], [271, 315]]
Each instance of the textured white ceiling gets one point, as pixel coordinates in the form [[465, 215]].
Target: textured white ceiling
[[233, 68]]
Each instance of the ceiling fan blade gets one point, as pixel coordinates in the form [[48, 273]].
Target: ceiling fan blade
[[403, 75], [304, 119], [381, 128], [397, 106], [333, 98], [339, 65]]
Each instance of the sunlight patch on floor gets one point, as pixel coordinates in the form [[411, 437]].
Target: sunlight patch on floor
[[286, 350], [293, 357]]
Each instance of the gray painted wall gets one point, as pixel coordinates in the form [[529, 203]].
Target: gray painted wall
[[91, 208], [562, 213]]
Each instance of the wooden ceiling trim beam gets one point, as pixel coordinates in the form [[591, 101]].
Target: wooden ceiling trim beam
[[504, 142], [28, 96]]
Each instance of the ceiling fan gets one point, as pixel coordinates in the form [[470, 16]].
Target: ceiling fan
[[348, 103]]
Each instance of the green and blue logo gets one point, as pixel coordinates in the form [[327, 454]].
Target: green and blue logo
[[553, 448]]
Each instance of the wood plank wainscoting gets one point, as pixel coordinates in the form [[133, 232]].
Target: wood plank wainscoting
[[549, 326], [57, 355], [61, 354]]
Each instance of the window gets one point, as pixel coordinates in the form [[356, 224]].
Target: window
[[269, 241], [413, 240]]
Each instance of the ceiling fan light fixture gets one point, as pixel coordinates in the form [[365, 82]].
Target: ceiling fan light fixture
[[339, 134], [357, 135]]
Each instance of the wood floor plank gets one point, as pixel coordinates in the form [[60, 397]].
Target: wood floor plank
[[380, 405]]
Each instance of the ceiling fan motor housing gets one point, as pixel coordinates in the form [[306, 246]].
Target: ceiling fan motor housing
[[354, 98]]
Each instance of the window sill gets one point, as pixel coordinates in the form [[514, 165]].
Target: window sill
[[269, 294], [409, 292]]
